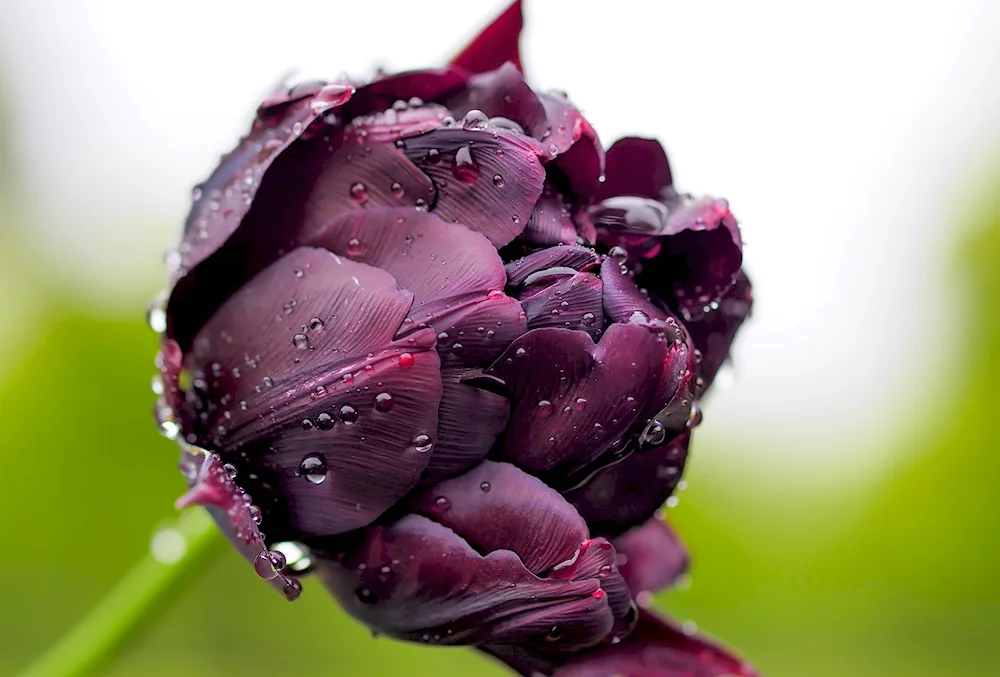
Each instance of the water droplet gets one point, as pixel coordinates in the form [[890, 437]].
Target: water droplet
[[196, 193], [297, 128], [324, 421], [384, 402], [580, 404], [433, 156], [654, 434], [329, 96], [499, 122], [457, 348], [498, 181], [263, 566], [465, 168], [299, 272], [588, 319], [348, 414], [672, 502], [359, 192], [618, 253], [406, 359], [297, 556], [442, 503], [315, 324], [300, 341], [475, 119], [366, 596], [230, 470], [156, 314], [485, 487], [422, 443], [544, 408], [520, 352], [313, 468], [354, 247]]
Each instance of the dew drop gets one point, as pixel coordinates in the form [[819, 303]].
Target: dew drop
[[354, 247], [465, 168], [359, 193], [315, 324], [485, 487], [397, 189], [384, 403], [433, 156], [544, 408], [475, 119], [299, 272], [262, 565], [442, 503], [618, 253], [498, 181], [406, 359], [230, 470], [422, 443], [348, 414], [300, 341], [313, 469], [588, 319]]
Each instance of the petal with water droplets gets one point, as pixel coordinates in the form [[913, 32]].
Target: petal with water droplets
[[502, 93], [311, 339], [462, 163], [713, 333]]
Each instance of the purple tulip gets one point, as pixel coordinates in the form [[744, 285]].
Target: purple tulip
[[416, 332]]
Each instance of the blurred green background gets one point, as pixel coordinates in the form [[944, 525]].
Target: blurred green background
[[891, 571]]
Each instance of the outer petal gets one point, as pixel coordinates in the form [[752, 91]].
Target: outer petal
[[550, 222], [573, 302], [713, 332], [427, 85], [486, 180], [496, 44], [224, 198], [636, 166], [418, 580], [574, 401], [307, 186], [657, 648], [502, 93], [292, 366], [651, 557], [621, 496]]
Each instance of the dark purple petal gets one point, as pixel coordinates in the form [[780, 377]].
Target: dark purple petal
[[399, 122], [310, 184], [297, 358], [713, 332], [486, 180], [495, 44], [657, 648], [571, 256], [432, 85], [224, 198], [550, 222], [651, 557], [573, 400], [574, 145], [469, 421], [628, 493], [419, 580], [454, 274], [496, 506], [573, 302], [502, 93], [636, 166], [211, 486]]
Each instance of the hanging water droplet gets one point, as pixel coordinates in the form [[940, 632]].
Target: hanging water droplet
[[230, 470], [618, 253], [156, 314], [422, 443], [348, 414], [255, 514], [262, 565], [465, 168], [313, 469], [384, 402]]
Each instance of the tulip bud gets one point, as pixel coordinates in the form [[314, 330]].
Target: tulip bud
[[446, 353]]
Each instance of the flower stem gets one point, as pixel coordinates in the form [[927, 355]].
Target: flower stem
[[137, 600]]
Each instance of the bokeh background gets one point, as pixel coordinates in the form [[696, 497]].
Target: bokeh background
[[844, 491]]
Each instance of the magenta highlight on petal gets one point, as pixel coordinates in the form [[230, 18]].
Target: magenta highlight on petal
[[428, 340]]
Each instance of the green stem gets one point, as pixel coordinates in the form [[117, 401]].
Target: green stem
[[137, 600]]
